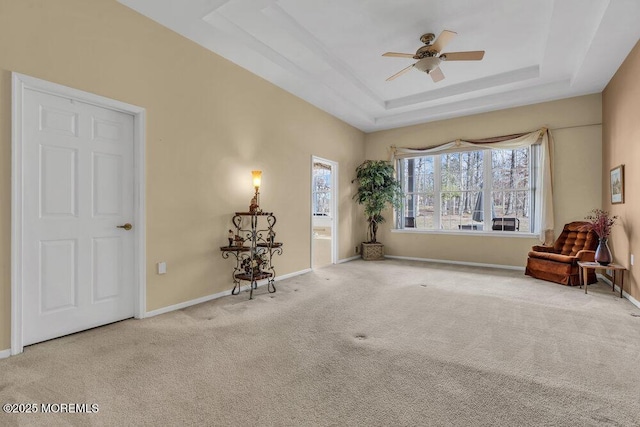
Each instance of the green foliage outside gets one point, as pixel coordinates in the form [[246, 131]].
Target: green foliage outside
[[377, 189]]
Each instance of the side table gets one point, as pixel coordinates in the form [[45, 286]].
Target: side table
[[585, 266]]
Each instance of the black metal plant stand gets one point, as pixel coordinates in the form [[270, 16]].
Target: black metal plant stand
[[253, 248]]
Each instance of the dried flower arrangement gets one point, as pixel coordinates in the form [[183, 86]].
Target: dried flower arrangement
[[601, 222]]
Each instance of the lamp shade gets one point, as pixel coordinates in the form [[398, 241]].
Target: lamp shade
[[257, 178]]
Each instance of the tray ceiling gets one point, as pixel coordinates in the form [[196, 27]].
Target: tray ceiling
[[329, 52]]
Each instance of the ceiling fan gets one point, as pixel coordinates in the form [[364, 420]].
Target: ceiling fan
[[429, 56]]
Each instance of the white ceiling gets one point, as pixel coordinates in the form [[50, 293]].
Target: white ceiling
[[328, 52]]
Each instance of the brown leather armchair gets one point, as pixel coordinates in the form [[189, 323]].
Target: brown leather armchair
[[559, 263]]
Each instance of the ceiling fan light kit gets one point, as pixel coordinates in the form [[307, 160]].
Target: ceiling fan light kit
[[429, 56], [427, 64]]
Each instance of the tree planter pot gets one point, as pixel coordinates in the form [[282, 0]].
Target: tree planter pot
[[372, 251]]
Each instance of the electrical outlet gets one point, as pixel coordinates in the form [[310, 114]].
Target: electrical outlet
[[162, 268], [357, 249]]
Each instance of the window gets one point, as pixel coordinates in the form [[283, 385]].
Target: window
[[486, 189], [321, 189]]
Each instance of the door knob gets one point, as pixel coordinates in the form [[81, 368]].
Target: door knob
[[127, 226]]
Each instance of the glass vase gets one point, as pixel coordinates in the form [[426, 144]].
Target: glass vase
[[603, 254]]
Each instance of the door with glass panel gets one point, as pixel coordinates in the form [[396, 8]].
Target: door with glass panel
[[323, 212]]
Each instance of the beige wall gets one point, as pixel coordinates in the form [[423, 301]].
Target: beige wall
[[209, 123], [576, 127], [621, 145]]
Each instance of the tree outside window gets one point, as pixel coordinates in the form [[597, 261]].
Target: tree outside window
[[452, 191], [321, 189]]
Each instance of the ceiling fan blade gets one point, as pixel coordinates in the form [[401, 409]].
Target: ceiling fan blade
[[398, 55], [399, 73], [472, 55], [436, 74], [443, 39]]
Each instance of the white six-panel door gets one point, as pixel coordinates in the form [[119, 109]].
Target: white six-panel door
[[78, 269]]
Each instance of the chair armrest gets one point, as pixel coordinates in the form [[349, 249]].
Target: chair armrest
[[586, 255], [542, 248], [552, 256]]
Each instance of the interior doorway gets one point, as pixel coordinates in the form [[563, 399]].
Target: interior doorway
[[77, 213], [324, 212]]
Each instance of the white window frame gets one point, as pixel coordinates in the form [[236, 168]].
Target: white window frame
[[534, 171]]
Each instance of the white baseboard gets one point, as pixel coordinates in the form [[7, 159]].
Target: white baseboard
[[340, 261], [5, 353], [218, 295], [294, 274], [617, 289], [185, 304], [446, 261]]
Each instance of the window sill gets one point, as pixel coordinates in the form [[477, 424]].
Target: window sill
[[467, 233]]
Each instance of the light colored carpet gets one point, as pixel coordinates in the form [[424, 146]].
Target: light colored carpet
[[388, 343]]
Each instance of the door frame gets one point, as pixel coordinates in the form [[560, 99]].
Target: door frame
[[334, 207], [20, 83]]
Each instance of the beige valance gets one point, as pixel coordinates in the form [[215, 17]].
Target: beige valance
[[544, 199]]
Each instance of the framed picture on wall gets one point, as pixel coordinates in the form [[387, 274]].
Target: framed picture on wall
[[617, 184]]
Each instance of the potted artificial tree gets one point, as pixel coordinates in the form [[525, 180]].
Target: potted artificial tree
[[377, 190]]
